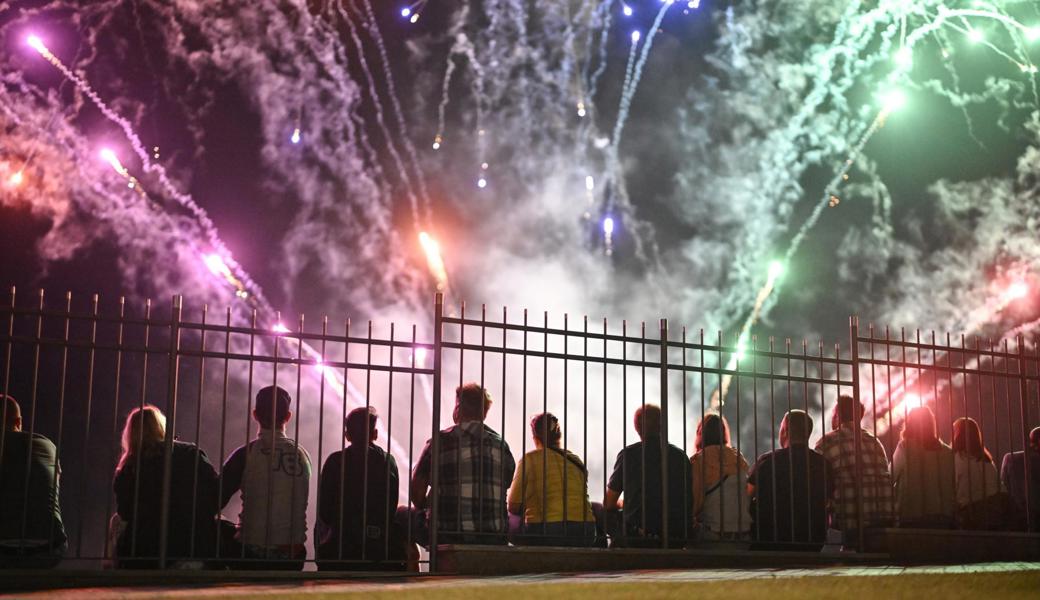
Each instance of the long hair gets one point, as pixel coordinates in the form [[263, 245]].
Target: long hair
[[967, 438], [920, 429], [546, 429], [142, 439], [713, 430]]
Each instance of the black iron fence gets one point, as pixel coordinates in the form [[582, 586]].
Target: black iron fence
[[86, 380]]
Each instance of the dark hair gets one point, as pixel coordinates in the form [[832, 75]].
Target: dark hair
[[648, 420], [967, 438], [713, 430], [272, 401], [360, 423], [799, 426], [920, 429], [546, 429], [847, 410], [472, 402]]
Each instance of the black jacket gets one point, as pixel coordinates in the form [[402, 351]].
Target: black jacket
[[193, 506]]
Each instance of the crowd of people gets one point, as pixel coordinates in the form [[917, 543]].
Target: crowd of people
[[788, 499]]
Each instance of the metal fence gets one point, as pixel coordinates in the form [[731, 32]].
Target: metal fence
[[78, 374]]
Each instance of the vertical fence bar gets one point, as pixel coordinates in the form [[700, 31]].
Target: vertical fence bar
[[115, 410], [1023, 412], [198, 429], [435, 444], [664, 434], [61, 407], [86, 431], [857, 427], [171, 429], [7, 369], [32, 418]]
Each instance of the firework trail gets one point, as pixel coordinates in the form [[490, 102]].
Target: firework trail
[[221, 263], [633, 76], [402, 170], [373, 30]]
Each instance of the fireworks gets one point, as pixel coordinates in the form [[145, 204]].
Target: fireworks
[[432, 250]]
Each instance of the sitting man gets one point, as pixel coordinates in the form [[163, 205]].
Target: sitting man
[[31, 531], [1020, 473], [637, 474], [357, 497], [789, 489], [273, 474], [475, 468], [874, 482]]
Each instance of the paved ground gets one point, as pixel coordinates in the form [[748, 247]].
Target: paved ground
[[1010, 580]]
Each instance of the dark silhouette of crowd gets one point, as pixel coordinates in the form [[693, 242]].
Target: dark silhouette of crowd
[[466, 488]]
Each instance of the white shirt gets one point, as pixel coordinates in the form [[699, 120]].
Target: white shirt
[[976, 479]]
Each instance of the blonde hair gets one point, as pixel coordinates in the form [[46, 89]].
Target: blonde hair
[[137, 439]]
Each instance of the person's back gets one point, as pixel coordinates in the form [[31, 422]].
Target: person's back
[[865, 481], [791, 490], [638, 473], [192, 507], [475, 470], [31, 527], [925, 484], [1020, 473], [551, 484], [357, 497], [720, 504], [273, 474]]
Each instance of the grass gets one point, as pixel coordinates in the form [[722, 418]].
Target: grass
[[1024, 584]]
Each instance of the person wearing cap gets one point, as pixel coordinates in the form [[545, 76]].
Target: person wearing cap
[[273, 473]]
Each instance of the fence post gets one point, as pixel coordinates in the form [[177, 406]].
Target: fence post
[[1023, 410], [857, 427], [171, 420], [435, 445], [664, 434]]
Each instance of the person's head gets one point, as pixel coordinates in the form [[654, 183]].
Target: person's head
[[472, 403], [360, 425], [647, 420], [272, 407], [12, 414], [545, 429], [1034, 439], [145, 430], [847, 412], [713, 430], [920, 429], [967, 438], [795, 429]]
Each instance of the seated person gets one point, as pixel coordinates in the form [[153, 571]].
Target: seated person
[[1020, 473], [789, 488], [924, 474], [475, 465], [273, 474], [191, 531], [550, 489], [641, 515], [980, 501], [357, 497], [31, 530], [875, 482], [720, 502]]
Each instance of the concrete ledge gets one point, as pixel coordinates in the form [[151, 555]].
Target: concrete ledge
[[935, 546], [505, 560]]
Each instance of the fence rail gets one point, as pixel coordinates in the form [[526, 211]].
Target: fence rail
[[77, 375]]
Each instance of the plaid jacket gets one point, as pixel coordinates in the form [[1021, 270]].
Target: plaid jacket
[[839, 448], [476, 468]]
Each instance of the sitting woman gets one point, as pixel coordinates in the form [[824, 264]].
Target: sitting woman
[[550, 490], [979, 495], [720, 502], [191, 531], [923, 474]]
